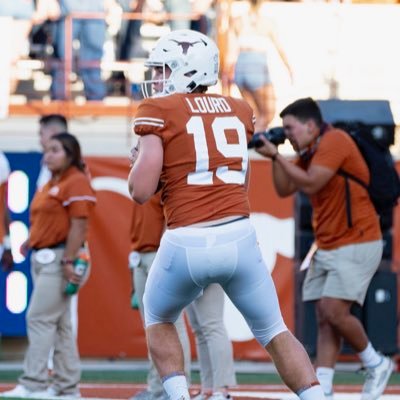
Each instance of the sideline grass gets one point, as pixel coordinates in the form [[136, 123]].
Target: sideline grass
[[112, 376]]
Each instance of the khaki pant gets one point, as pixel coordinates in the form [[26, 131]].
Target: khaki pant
[[214, 348], [48, 325], [343, 273]]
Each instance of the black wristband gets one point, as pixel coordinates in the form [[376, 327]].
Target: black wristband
[[273, 157]]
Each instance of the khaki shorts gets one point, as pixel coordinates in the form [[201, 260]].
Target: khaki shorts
[[342, 273]]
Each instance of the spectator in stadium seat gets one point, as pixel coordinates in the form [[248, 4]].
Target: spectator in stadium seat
[[181, 7], [91, 36], [21, 13], [59, 217], [6, 258], [189, 7], [195, 143], [249, 60], [41, 35], [202, 8], [129, 44], [347, 255]]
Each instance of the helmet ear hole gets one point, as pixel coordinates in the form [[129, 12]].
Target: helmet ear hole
[[190, 73]]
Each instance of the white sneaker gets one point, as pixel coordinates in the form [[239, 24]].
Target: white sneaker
[[18, 391], [219, 396], [70, 396], [328, 396], [377, 379], [44, 394], [51, 393]]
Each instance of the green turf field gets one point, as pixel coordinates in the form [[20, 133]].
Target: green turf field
[[112, 376]]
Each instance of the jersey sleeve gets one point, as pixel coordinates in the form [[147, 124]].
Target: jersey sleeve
[[79, 197], [332, 150], [246, 114], [149, 119]]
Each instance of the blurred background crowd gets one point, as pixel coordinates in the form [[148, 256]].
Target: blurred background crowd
[[46, 39], [63, 49]]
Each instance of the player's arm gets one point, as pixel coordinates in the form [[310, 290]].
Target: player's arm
[[76, 236], [146, 170], [284, 186], [247, 178], [289, 177], [6, 257]]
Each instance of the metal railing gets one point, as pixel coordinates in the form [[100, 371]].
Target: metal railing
[[117, 65]]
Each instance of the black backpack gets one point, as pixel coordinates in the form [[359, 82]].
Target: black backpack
[[384, 185]]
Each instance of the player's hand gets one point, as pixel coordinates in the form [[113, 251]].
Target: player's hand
[[134, 154], [70, 275], [134, 301], [7, 261], [24, 248], [268, 149]]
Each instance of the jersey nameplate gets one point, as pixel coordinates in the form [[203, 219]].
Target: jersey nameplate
[[206, 104]]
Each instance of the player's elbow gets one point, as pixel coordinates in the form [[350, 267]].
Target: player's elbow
[[140, 196], [310, 189], [137, 190], [282, 192], [140, 199], [142, 184], [141, 192]]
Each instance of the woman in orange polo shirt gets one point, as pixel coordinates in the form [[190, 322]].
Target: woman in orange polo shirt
[[59, 217]]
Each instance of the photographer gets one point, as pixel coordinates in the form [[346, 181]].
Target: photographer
[[347, 256]]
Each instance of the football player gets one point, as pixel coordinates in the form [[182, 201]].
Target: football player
[[194, 146]]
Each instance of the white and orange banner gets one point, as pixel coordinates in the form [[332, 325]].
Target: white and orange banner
[[108, 327]]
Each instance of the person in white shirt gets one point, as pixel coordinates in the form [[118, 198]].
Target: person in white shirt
[[49, 125]]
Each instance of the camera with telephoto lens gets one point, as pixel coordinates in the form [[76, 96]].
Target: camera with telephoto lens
[[274, 135]]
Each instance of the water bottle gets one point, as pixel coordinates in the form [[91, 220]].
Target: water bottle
[[134, 301], [81, 264]]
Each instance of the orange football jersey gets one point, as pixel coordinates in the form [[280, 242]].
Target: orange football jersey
[[147, 225], [55, 204], [206, 159]]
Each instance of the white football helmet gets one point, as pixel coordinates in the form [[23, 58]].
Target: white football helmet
[[192, 57]]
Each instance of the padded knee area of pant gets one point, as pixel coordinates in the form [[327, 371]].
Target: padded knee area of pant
[[264, 336]]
